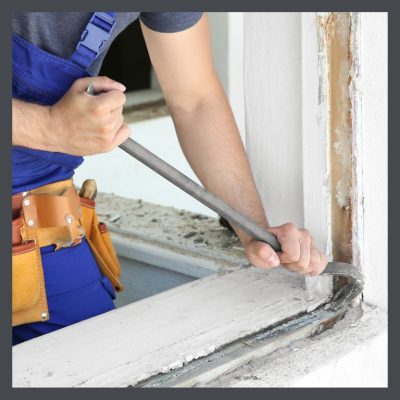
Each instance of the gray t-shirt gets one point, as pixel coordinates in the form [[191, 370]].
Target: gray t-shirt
[[59, 32]]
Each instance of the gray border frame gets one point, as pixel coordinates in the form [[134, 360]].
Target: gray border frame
[[193, 5]]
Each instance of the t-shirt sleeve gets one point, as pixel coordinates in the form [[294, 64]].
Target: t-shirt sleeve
[[170, 22]]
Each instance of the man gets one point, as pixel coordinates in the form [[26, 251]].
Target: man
[[55, 122]]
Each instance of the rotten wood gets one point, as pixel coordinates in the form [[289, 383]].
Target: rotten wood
[[339, 63]]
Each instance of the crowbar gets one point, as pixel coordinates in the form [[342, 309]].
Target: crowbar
[[341, 300]]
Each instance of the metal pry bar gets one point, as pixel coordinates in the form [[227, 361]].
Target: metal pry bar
[[353, 274]]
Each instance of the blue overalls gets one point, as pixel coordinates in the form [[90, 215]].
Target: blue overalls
[[75, 287]]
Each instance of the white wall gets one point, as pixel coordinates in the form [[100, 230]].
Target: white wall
[[219, 42], [374, 130], [227, 49], [272, 70]]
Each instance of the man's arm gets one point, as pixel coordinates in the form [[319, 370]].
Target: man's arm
[[211, 142], [77, 124], [29, 123]]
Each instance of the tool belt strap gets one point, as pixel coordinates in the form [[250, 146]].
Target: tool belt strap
[[51, 214], [53, 188]]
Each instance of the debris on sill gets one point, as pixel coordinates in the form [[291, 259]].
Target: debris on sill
[[172, 227], [286, 365]]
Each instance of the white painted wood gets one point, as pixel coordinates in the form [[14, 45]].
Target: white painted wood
[[234, 361], [374, 127], [272, 68], [153, 254], [357, 217], [227, 51], [160, 333], [286, 118], [349, 355], [316, 190]]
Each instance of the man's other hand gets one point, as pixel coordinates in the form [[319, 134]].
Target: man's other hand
[[298, 254]]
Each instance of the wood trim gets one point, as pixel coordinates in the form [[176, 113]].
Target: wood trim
[[337, 31]]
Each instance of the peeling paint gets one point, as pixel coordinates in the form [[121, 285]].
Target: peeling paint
[[323, 117], [357, 150], [187, 359], [335, 31]]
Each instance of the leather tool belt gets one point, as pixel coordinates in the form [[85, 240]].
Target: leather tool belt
[[53, 214]]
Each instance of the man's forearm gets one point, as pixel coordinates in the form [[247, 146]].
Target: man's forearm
[[211, 142], [29, 124], [78, 124]]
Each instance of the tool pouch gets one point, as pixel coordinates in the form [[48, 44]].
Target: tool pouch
[[53, 214], [98, 237], [29, 303]]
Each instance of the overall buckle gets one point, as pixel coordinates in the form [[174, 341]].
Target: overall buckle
[[97, 32]]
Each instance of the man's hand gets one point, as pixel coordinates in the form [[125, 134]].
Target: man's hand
[[78, 124], [85, 124], [298, 254], [211, 142]]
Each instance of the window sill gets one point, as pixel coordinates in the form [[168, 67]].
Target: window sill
[[170, 330]]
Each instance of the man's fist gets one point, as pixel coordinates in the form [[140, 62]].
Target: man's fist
[[298, 253], [83, 124]]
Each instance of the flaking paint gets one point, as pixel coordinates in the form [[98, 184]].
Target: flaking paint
[[336, 31]]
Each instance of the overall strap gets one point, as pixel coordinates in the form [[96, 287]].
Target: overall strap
[[96, 33]]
